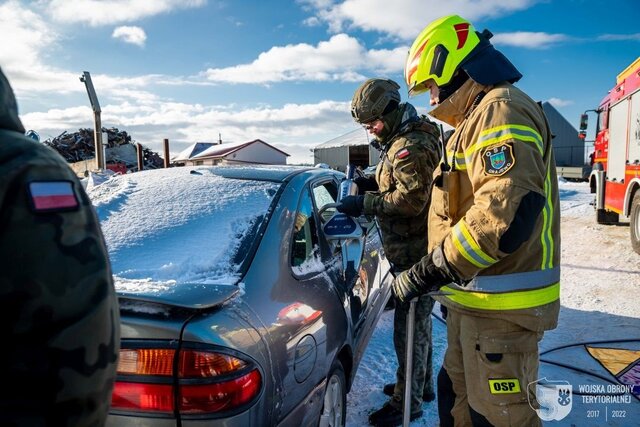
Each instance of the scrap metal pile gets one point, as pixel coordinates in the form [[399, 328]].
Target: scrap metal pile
[[80, 145]]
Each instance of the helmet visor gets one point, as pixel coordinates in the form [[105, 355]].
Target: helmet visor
[[418, 89]]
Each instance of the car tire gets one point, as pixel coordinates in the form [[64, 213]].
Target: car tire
[[334, 407], [634, 225]]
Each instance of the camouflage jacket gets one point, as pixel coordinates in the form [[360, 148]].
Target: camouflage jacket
[[404, 176], [59, 313]]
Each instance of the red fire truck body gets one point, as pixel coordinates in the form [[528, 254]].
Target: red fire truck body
[[616, 159]]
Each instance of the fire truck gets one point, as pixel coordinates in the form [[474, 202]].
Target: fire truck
[[615, 178]]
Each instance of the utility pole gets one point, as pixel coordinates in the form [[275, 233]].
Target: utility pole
[[97, 122], [167, 160]]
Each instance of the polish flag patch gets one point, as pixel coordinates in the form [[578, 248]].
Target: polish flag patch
[[402, 154], [51, 196]]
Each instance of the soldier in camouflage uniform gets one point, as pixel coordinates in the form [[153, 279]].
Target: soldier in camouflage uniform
[[59, 313], [400, 201]]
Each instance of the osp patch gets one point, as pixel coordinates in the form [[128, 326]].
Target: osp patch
[[498, 160], [504, 386]]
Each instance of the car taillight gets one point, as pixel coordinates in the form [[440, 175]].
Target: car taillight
[[205, 381], [223, 396], [131, 396]]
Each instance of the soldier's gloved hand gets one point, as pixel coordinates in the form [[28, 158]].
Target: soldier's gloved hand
[[365, 183], [430, 274], [351, 205]]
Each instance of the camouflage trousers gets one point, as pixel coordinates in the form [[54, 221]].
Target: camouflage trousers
[[422, 378]]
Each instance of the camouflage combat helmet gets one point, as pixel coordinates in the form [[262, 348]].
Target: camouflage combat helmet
[[373, 99]]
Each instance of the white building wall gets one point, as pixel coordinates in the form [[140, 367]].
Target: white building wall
[[336, 157], [258, 153], [254, 153], [202, 162]]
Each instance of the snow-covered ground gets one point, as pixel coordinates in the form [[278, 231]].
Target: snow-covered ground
[[600, 299]]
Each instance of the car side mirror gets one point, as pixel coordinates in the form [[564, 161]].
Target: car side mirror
[[346, 231]]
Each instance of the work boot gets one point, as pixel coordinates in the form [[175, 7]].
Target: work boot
[[427, 396], [388, 416]]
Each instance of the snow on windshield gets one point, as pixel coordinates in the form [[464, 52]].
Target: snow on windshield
[[169, 226]]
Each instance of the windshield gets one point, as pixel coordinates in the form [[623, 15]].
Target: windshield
[[171, 226]]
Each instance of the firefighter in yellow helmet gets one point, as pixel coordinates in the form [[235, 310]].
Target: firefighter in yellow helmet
[[494, 227]]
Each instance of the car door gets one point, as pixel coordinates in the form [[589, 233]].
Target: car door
[[364, 286]]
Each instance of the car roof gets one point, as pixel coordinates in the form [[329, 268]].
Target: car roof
[[274, 173]]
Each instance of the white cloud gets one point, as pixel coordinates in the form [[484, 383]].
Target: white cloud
[[55, 121], [557, 102], [22, 59], [315, 4], [386, 61], [294, 128], [529, 40], [133, 35], [338, 59], [406, 18], [311, 22], [619, 37], [26, 40], [108, 12], [33, 39]]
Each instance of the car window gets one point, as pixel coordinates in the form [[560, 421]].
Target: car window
[[324, 194], [305, 254]]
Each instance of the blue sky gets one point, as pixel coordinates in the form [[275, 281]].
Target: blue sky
[[281, 71]]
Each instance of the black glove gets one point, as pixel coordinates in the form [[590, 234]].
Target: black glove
[[430, 274], [351, 205], [405, 288], [365, 183]]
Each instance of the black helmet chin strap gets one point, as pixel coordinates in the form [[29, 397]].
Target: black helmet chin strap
[[456, 82]]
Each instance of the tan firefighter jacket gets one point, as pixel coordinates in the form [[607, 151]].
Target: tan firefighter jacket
[[496, 212]]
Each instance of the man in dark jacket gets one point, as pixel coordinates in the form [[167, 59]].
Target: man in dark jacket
[[58, 309], [400, 201]]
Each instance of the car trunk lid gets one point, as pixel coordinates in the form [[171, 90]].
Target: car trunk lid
[[193, 296]]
